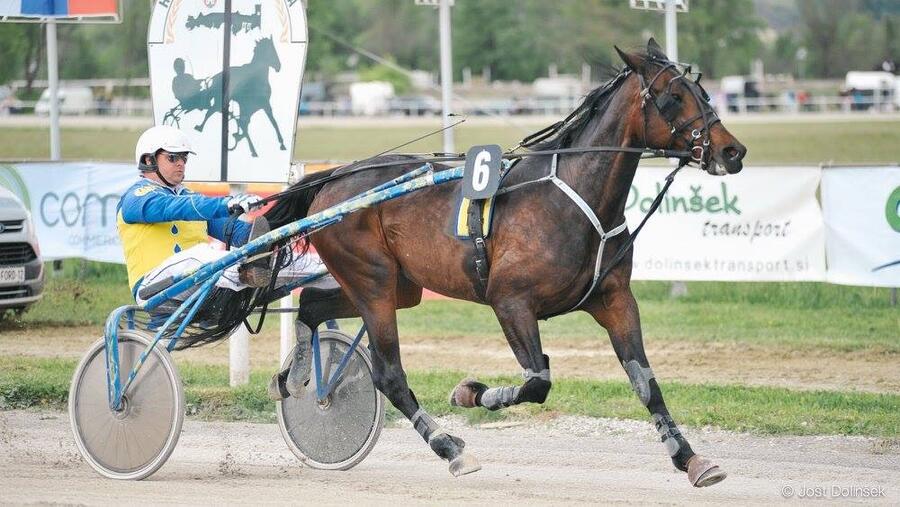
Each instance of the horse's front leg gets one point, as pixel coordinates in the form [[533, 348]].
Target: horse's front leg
[[617, 311], [521, 329]]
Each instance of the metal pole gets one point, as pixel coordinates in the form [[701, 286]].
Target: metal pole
[[287, 329], [226, 92], [239, 341], [678, 288], [53, 79], [671, 32], [446, 73]]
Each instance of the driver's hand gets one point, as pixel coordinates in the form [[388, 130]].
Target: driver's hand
[[244, 202]]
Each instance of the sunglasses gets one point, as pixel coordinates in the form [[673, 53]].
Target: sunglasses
[[175, 157]]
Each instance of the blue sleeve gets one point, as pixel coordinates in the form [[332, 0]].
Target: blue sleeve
[[147, 204], [217, 229]]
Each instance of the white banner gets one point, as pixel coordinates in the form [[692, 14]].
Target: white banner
[[862, 216], [185, 46], [762, 224], [72, 205]]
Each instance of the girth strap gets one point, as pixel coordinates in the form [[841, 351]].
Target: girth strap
[[476, 233]]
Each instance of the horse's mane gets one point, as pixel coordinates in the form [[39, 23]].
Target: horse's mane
[[564, 133]]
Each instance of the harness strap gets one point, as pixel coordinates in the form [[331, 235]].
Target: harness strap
[[476, 233], [592, 218]]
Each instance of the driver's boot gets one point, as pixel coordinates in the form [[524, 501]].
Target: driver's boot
[[256, 271], [292, 381]]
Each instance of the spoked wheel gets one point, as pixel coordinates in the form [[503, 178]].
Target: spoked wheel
[[134, 442], [339, 432]]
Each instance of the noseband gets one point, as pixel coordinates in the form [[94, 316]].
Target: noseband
[[669, 108]]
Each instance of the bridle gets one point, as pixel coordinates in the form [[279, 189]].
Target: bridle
[[669, 107]]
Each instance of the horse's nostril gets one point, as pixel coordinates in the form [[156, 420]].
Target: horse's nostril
[[734, 153]]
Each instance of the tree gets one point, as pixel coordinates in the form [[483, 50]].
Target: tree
[[721, 37], [21, 51]]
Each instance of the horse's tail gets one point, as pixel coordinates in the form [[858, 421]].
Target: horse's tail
[[295, 205]]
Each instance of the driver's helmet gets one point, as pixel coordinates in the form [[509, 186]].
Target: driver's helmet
[[160, 137]]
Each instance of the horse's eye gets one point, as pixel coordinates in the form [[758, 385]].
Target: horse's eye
[[676, 97]]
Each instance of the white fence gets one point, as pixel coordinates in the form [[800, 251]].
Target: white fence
[[527, 106]]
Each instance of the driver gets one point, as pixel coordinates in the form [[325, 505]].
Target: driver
[[164, 226]]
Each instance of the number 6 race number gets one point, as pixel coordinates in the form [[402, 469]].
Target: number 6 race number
[[481, 177]]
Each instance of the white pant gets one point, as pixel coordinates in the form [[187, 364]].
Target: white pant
[[195, 257]]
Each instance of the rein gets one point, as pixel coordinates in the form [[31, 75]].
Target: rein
[[460, 157]]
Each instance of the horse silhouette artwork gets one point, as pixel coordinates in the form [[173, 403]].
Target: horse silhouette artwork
[[250, 92]]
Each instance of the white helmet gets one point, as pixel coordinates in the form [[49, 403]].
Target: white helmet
[[161, 137]]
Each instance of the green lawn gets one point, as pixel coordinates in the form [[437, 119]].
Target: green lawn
[[777, 143], [802, 315], [32, 382]]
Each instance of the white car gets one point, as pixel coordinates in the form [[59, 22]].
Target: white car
[[75, 100], [21, 266]]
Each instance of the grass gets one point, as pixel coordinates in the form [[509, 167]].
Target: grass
[[43, 383], [803, 315], [779, 143]]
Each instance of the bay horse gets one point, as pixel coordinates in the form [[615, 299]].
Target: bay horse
[[542, 250]]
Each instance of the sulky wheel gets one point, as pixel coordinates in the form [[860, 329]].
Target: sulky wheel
[[339, 432], [134, 442]]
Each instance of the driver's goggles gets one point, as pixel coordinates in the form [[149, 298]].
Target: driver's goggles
[[175, 157]]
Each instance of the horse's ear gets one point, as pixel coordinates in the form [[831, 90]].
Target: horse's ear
[[654, 50], [634, 62]]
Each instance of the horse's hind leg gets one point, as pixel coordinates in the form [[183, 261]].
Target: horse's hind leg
[[617, 311], [268, 109], [315, 307], [521, 329], [376, 288], [390, 379], [209, 112]]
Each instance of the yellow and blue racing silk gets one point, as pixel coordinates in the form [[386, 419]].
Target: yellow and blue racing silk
[[156, 222]]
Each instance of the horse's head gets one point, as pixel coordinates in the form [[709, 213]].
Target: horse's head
[[676, 113], [265, 52]]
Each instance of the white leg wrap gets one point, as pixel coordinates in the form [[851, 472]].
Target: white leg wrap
[[499, 397], [668, 433], [425, 425]]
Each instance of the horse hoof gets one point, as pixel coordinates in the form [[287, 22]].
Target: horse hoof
[[464, 464], [465, 393], [703, 472]]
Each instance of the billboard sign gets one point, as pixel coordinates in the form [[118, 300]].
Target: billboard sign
[[262, 64], [762, 224], [60, 10], [862, 217]]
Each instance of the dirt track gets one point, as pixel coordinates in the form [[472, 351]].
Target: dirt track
[[571, 460]]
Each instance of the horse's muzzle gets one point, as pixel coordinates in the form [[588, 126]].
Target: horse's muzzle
[[731, 157]]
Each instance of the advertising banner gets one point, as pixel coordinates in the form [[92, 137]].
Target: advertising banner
[[58, 8], [862, 218], [762, 224], [266, 54], [72, 205]]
